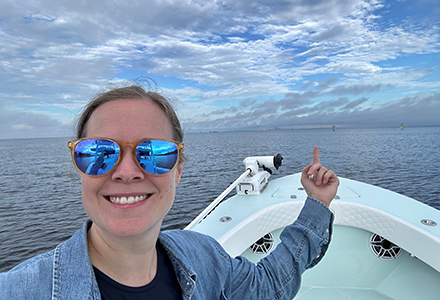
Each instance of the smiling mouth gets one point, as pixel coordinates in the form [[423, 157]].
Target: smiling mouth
[[128, 200]]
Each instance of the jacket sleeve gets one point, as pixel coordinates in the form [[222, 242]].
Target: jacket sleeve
[[278, 276], [31, 279]]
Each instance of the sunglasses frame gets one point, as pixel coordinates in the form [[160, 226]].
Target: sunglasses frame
[[72, 145]]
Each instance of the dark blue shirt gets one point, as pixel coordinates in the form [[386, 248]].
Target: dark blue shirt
[[164, 286]]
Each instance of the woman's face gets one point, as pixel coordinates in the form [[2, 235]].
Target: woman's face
[[129, 120]]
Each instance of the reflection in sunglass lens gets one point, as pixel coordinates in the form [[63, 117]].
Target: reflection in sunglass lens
[[156, 156], [96, 156]]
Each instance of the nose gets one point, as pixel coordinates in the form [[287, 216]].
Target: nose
[[127, 170]]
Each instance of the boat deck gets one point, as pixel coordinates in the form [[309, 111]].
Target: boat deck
[[350, 269], [313, 293]]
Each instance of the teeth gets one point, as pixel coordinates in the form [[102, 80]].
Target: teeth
[[127, 200]]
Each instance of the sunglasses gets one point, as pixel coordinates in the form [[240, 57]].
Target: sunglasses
[[97, 156]]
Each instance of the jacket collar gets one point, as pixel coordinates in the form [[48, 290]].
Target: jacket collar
[[185, 275], [73, 276]]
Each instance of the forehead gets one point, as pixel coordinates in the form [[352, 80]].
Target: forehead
[[129, 120]]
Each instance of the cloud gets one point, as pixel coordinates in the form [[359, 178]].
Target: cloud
[[254, 63], [412, 111], [330, 34], [355, 103], [356, 89], [27, 124], [331, 105], [417, 110]]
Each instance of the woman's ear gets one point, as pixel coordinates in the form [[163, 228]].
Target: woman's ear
[[179, 171]]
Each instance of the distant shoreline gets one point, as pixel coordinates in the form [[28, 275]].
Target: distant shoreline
[[329, 127]]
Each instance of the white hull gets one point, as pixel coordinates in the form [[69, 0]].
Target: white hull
[[410, 264]]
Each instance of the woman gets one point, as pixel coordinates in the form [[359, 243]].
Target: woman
[[133, 137]]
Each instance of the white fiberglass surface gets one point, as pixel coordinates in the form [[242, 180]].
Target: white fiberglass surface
[[350, 270]]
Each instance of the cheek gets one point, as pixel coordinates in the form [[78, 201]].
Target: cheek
[[168, 188], [89, 187], [85, 185], [168, 192], [85, 191]]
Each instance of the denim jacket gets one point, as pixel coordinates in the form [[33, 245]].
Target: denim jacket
[[203, 269]]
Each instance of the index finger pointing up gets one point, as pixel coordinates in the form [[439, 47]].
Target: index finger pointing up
[[316, 155]]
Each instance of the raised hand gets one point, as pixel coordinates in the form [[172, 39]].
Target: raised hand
[[319, 183]]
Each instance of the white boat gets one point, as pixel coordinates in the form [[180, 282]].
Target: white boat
[[384, 245]]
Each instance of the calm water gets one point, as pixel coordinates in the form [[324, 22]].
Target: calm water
[[41, 193]]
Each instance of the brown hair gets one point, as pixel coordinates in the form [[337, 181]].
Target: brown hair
[[132, 91]]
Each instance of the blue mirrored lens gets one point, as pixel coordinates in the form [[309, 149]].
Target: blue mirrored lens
[[156, 156], [96, 156]]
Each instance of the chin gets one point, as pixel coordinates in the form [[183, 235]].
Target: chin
[[133, 228]]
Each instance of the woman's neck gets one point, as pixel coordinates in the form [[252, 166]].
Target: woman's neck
[[131, 261]]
